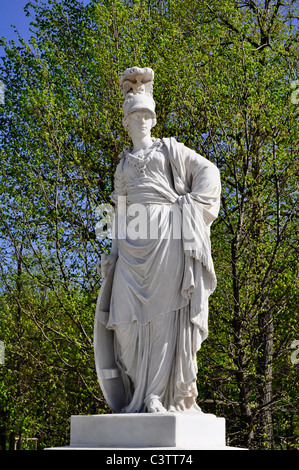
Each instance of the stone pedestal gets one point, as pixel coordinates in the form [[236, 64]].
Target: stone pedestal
[[145, 431]]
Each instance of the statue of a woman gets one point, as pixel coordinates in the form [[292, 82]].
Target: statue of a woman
[[158, 278]]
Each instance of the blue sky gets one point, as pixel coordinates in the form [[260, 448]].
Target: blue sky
[[12, 13]]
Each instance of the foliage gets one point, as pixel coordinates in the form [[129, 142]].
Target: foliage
[[223, 74]]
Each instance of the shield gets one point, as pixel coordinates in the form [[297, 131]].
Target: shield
[[109, 375]]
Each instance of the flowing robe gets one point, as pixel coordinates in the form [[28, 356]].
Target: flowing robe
[[163, 278]]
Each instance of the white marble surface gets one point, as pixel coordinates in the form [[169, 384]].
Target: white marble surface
[[148, 431], [152, 313]]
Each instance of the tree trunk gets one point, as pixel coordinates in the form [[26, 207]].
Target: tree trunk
[[239, 359], [266, 330]]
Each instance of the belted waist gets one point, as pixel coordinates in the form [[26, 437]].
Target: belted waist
[[146, 197]]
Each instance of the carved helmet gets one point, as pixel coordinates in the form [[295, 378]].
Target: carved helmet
[[137, 87]]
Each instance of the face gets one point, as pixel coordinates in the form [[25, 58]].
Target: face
[[140, 123]]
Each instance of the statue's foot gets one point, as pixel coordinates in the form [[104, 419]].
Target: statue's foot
[[155, 406]]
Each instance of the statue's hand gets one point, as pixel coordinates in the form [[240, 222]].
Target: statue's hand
[[105, 264]]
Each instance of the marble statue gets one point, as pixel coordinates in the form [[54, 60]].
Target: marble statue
[[152, 310]]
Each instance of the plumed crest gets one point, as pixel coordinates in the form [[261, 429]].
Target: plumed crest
[[137, 80]]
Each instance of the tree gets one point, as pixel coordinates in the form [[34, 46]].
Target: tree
[[223, 75]]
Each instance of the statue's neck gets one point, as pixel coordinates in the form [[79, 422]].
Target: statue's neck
[[141, 143]]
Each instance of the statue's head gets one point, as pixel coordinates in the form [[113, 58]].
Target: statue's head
[[139, 123], [139, 105]]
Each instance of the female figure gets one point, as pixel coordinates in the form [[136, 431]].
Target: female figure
[[161, 270]]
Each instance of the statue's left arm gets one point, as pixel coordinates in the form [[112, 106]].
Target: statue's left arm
[[204, 182]]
